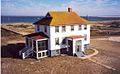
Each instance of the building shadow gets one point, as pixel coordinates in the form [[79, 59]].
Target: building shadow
[[11, 50]]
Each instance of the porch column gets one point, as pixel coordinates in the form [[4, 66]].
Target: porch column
[[36, 49], [82, 45]]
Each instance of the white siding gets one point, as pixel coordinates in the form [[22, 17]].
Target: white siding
[[68, 32]]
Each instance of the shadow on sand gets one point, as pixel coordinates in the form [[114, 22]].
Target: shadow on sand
[[11, 50]]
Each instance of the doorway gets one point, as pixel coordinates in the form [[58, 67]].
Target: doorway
[[70, 48]]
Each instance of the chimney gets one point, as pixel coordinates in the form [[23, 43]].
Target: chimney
[[69, 9]]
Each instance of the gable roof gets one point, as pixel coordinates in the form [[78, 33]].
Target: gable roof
[[61, 18]]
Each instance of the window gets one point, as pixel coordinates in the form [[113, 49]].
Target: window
[[85, 37], [79, 28], [41, 45], [57, 52], [72, 27], [63, 41], [37, 27], [56, 41], [77, 48], [39, 54], [43, 53], [45, 28], [56, 28], [63, 28], [85, 27]]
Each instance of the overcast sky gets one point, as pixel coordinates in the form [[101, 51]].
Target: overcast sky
[[41, 7]]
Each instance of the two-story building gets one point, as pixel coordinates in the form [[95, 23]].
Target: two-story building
[[58, 33]]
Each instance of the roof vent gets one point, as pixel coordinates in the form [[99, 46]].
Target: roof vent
[[69, 9]]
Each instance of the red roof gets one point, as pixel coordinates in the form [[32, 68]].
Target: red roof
[[75, 36], [38, 35]]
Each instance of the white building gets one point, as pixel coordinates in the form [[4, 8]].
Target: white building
[[58, 33]]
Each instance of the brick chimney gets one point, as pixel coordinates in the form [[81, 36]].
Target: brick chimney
[[69, 9]]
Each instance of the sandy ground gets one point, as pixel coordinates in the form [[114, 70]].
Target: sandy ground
[[116, 39], [109, 53]]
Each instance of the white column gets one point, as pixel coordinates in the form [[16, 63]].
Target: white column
[[82, 45], [37, 49]]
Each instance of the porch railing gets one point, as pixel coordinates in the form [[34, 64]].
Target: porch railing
[[25, 52]]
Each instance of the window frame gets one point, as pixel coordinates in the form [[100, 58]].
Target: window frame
[[72, 27], [79, 27], [57, 41], [63, 28], [41, 45], [85, 27], [85, 37], [56, 29]]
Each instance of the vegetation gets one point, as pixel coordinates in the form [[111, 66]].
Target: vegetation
[[88, 51]]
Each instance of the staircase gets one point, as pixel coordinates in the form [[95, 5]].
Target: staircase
[[80, 54], [25, 52]]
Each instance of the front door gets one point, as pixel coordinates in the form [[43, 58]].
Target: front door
[[70, 48], [78, 46]]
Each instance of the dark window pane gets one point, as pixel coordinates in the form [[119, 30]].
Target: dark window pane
[[57, 41], [85, 27], [56, 28], [72, 27], [43, 54], [39, 54], [79, 27], [63, 28]]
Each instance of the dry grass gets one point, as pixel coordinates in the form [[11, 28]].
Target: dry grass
[[89, 51], [104, 29], [54, 65], [20, 27], [9, 36]]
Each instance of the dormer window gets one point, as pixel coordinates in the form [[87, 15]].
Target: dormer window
[[72, 27], [63, 28], [85, 27], [56, 28]]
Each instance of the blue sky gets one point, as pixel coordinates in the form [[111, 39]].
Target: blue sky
[[41, 7]]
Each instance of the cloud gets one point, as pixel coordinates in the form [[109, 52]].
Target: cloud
[[40, 7]]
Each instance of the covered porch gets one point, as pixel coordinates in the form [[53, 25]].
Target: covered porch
[[36, 45], [75, 45]]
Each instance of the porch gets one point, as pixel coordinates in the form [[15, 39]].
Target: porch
[[75, 45], [36, 46]]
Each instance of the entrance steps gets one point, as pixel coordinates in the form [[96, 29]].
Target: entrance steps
[[80, 54], [25, 52]]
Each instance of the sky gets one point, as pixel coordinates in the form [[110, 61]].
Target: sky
[[41, 7]]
